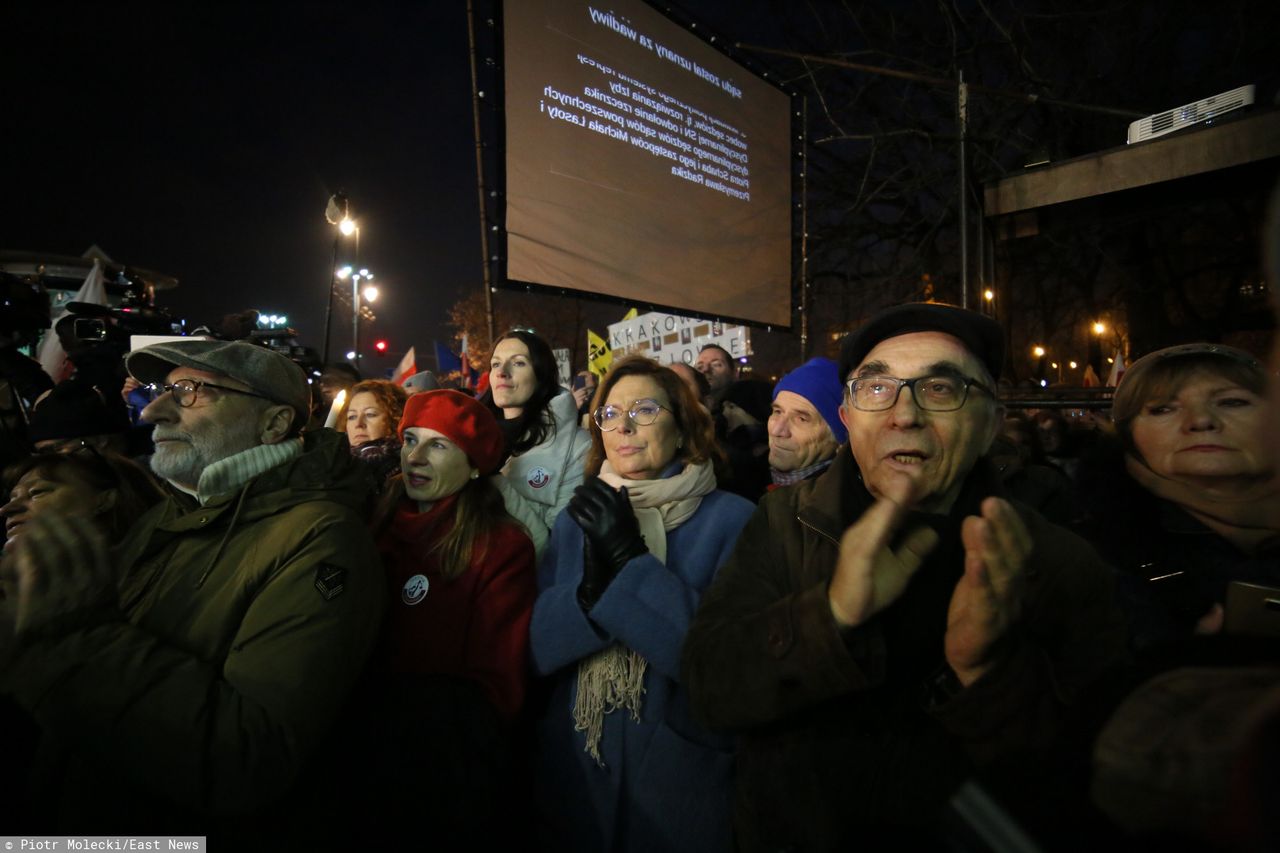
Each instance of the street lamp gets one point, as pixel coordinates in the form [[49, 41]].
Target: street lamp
[[1095, 345], [370, 294], [337, 213]]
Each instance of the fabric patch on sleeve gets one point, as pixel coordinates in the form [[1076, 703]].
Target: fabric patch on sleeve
[[331, 580]]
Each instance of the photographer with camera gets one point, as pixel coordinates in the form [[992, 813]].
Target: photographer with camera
[[24, 312]]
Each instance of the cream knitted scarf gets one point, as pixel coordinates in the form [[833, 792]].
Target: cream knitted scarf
[[613, 677]]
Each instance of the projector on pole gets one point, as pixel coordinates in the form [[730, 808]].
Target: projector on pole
[[1204, 110]]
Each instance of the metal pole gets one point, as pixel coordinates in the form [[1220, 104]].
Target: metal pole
[[804, 230], [476, 95], [355, 317], [962, 119], [333, 285]]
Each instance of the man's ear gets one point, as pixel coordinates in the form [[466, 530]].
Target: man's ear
[[844, 413], [274, 424], [997, 424]]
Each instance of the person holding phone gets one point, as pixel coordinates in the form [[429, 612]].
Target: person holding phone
[[1186, 504]]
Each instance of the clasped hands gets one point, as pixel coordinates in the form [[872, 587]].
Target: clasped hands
[[612, 536], [56, 571], [871, 574]]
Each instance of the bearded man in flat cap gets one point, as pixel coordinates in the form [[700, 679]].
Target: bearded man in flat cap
[[184, 681]]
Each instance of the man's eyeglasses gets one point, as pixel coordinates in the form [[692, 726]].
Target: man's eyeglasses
[[70, 447], [642, 413], [931, 393], [185, 390]]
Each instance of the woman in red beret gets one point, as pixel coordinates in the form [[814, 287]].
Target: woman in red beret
[[459, 568], [452, 675]]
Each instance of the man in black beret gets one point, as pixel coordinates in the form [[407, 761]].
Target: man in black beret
[[885, 628]]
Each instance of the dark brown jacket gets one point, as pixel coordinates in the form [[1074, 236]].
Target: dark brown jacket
[[846, 733]]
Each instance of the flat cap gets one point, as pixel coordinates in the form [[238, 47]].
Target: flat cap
[[1203, 351], [265, 371], [980, 334]]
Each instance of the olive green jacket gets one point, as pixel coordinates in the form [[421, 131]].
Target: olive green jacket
[[242, 625]]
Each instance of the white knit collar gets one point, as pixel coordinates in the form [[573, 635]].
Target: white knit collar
[[231, 473]]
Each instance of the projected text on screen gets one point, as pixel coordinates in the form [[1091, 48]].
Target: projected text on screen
[[642, 164]]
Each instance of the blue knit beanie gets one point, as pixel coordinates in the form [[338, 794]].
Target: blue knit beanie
[[818, 381]]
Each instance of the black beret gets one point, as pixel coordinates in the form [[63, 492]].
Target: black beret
[[980, 334]]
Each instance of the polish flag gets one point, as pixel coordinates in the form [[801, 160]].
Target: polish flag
[[406, 368], [466, 363], [1117, 371]]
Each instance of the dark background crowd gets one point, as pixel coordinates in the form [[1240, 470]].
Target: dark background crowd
[[668, 607]]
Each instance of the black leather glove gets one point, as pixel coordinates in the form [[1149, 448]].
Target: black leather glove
[[612, 536]]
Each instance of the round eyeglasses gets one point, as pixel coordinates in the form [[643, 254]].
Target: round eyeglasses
[[642, 413], [185, 390], [931, 393]]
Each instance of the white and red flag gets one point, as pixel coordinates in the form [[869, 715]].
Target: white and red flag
[[1117, 371], [406, 368], [51, 355]]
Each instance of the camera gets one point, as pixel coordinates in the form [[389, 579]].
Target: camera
[[89, 329]]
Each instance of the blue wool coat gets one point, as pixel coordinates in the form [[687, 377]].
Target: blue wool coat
[[665, 784]]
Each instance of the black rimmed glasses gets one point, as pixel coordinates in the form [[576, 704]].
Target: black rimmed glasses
[[643, 412], [941, 393], [185, 390]]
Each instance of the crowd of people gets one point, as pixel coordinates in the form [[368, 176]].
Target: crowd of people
[[667, 608]]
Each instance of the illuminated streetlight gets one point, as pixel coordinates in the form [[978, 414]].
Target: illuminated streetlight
[[344, 273], [337, 213], [1072, 365], [1037, 351], [1099, 328], [370, 294], [988, 294], [1054, 365]]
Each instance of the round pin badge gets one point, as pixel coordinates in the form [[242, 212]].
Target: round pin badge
[[414, 590], [539, 477]]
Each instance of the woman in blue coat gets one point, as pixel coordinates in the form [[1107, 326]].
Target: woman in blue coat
[[621, 765]]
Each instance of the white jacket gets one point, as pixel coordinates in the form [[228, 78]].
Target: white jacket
[[537, 484]]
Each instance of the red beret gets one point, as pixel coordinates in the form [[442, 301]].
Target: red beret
[[461, 419]]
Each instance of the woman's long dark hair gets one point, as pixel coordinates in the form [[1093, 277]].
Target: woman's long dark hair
[[478, 512], [535, 423]]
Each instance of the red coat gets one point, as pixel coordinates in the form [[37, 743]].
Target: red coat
[[475, 626]]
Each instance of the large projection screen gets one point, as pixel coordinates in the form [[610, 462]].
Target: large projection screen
[[643, 164]]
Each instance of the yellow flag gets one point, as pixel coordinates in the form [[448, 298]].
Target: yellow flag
[[630, 315], [599, 356]]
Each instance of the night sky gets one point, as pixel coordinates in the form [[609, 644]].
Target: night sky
[[204, 143]]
